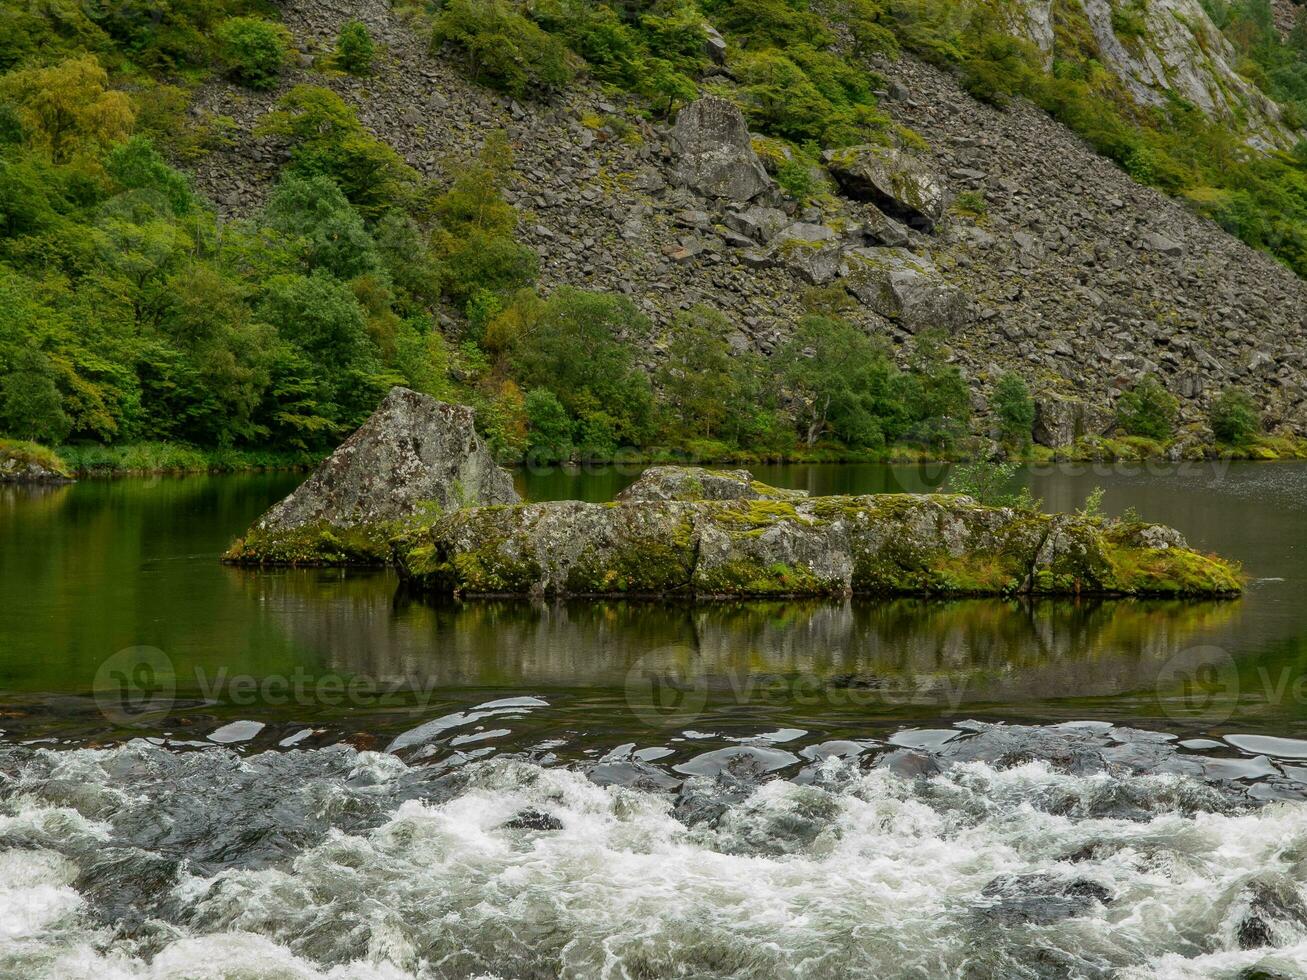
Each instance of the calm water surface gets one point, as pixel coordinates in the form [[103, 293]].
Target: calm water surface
[[217, 772]]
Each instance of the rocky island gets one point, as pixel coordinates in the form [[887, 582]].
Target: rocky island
[[416, 487]]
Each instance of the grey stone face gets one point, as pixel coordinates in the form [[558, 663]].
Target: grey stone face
[[713, 152], [905, 287], [412, 450], [1061, 421], [899, 183]]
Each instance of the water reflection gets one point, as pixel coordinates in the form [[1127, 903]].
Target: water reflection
[[905, 650]]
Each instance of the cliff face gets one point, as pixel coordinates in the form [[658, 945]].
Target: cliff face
[[1074, 275], [1160, 49]]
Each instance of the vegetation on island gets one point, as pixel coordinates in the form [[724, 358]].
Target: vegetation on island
[[136, 328]]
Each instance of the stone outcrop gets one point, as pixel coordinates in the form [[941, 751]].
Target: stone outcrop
[[1060, 421], [899, 183], [892, 544], [713, 152], [697, 483], [413, 455], [904, 287], [22, 462]]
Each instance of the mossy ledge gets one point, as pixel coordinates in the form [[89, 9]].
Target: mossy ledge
[[900, 544]]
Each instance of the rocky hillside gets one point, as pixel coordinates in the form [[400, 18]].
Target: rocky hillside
[[1060, 267]]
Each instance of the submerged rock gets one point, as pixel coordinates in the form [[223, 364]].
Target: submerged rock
[[892, 544], [413, 455]]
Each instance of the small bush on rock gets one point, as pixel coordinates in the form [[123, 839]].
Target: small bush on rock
[[503, 49]]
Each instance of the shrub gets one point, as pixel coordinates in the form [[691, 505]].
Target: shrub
[[549, 428], [254, 50], [328, 140], [990, 484], [1014, 408], [503, 49], [1148, 410], [1234, 417], [354, 48]]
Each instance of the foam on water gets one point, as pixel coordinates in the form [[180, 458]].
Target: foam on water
[[517, 870]]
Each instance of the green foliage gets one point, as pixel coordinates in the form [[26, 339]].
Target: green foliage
[[327, 140], [254, 50], [575, 348], [354, 48], [1147, 410], [697, 378], [1014, 408], [30, 406], [1234, 417], [502, 48], [549, 428], [797, 178]]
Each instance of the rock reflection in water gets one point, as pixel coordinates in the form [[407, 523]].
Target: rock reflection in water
[[904, 650]]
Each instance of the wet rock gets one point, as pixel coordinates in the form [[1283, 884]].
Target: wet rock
[[1273, 913], [533, 820], [1040, 899], [697, 483], [899, 183], [903, 287], [713, 152], [413, 454]]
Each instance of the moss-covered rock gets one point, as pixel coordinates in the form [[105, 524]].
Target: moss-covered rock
[[896, 544], [697, 483], [28, 462]]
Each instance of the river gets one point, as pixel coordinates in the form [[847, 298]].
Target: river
[[308, 773]]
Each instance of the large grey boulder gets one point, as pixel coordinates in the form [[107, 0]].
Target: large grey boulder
[[697, 483], [815, 262], [762, 224], [1060, 421], [413, 455], [899, 183], [714, 155], [904, 287]]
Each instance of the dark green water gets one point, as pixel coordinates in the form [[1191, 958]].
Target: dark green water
[[112, 588]]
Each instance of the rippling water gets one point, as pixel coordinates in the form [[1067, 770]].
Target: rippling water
[[207, 772]]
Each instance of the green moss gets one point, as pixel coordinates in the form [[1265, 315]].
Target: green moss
[[316, 545], [1171, 572]]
